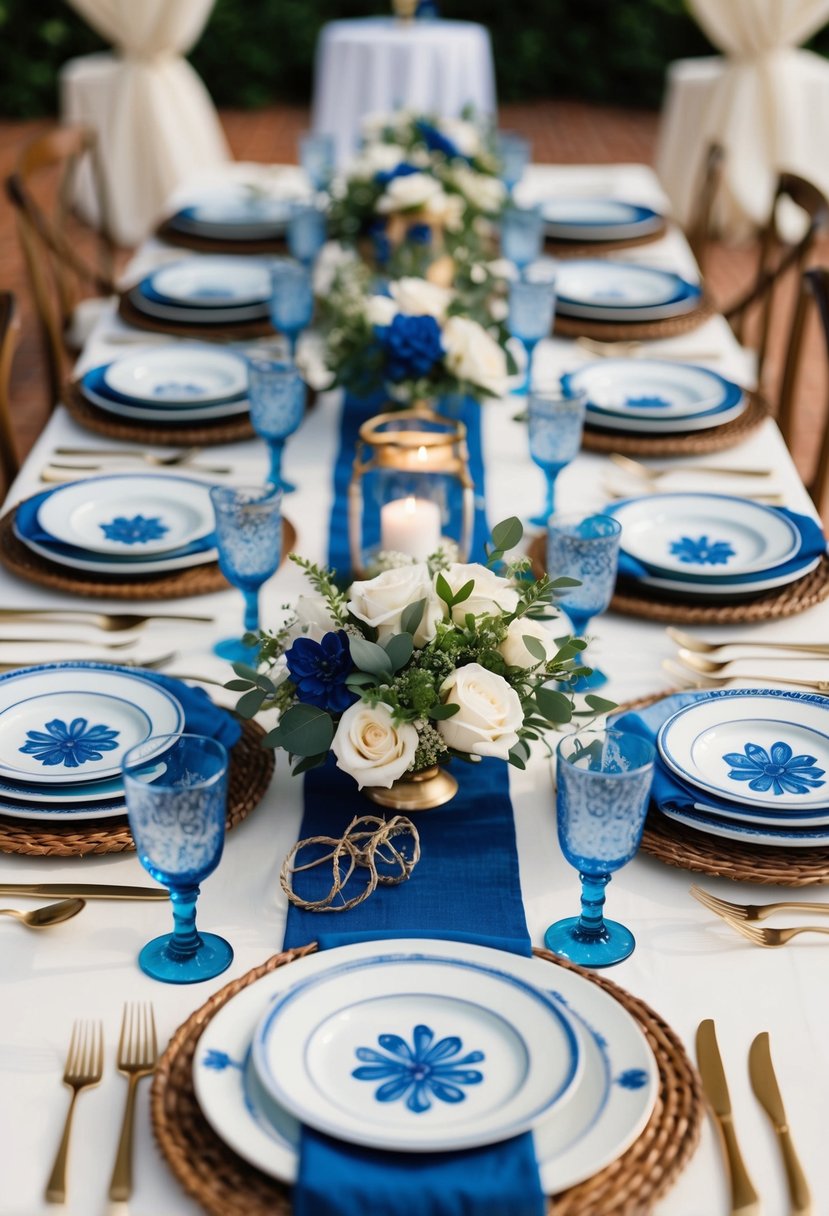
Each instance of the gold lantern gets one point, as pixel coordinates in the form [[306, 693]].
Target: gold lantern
[[410, 489]]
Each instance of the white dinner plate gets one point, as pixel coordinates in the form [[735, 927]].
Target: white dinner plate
[[615, 291], [94, 389], [416, 1054], [711, 589], [64, 723], [187, 374], [697, 536], [597, 219], [240, 208], [130, 514], [786, 838], [652, 389], [664, 426], [181, 314], [612, 1103], [210, 281], [760, 747], [101, 564]]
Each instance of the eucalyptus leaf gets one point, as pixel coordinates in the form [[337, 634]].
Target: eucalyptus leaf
[[250, 704], [535, 647], [368, 656], [246, 672], [399, 649], [359, 679], [412, 615], [599, 704], [238, 685], [553, 705], [516, 759], [464, 593], [309, 762], [508, 533], [438, 713], [303, 730], [564, 581], [444, 590]]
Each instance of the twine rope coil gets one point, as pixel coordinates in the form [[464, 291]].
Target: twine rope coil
[[366, 840]]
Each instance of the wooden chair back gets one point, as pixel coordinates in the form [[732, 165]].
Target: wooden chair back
[[814, 287], [777, 257], [700, 226], [59, 276], [9, 325]]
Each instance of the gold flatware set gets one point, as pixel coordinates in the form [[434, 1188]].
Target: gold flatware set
[[742, 918], [705, 664]]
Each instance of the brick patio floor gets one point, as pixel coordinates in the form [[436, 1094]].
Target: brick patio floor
[[562, 132]]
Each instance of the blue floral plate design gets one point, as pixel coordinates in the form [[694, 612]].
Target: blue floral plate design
[[613, 1099]]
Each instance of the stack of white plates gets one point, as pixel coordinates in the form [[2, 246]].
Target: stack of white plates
[[233, 214], [597, 219], [654, 397], [426, 1046], [64, 731], [125, 524], [612, 291], [190, 382], [712, 546], [751, 765], [205, 290]]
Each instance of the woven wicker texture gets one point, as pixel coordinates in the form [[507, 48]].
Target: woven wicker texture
[[686, 849], [219, 332], [225, 1185], [210, 244], [251, 769], [584, 249], [643, 331], [685, 443], [134, 430]]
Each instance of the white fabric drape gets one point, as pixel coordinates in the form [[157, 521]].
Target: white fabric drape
[[155, 121], [767, 102]]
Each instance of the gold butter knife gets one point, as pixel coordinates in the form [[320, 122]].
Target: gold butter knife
[[62, 890], [767, 1092], [744, 1198]]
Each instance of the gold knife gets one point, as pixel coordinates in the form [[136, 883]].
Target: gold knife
[[61, 890], [744, 1198], [767, 1092]]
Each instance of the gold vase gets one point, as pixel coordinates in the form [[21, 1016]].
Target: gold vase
[[416, 791]]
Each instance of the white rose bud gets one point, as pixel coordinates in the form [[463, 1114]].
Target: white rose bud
[[313, 620], [490, 713], [408, 193], [474, 356], [491, 595], [420, 298], [480, 189], [380, 601], [514, 649], [370, 747]]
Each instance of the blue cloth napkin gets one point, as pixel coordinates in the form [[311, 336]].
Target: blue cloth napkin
[[812, 544]]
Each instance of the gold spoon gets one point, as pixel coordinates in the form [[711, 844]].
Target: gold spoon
[[49, 914]]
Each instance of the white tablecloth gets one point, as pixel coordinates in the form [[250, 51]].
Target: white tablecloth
[[687, 964], [378, 64]]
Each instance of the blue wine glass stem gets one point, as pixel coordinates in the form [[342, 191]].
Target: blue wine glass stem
[[293, 338], [529, 347], [185, 940], [276, 446], [251, 611], [591, 920], [550, 504]]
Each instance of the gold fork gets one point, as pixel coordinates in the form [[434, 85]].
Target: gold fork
[[692, 678], [689, 642], [654, 474], [137, 1055], [109, 622], [84, 1068], [750, 912], [763, 935], [184, 457]]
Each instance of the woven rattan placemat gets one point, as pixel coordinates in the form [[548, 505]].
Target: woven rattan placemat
[[195, 580], [683, 847], [642, 331], [134, 430], [580, 249], [219, 332], [685, 443], [225, 1185], [208, 244], [251, 769]]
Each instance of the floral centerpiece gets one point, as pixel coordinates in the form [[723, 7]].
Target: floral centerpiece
[[425, 662]]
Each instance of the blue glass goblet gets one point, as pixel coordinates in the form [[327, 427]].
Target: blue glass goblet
[[530, 318], [307, 230], [292, 299], [556, 422], [586, 548], [603, 786], [276, 392], [522, 231], [317, 156], [514, 152], [249, 537], [177, 820]]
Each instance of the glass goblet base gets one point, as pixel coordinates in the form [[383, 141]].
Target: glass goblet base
[[590, 948], [211, 957], [234, 650]]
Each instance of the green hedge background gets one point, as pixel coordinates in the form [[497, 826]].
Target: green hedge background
[[256, 51]]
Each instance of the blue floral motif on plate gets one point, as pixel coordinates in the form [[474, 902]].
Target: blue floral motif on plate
[[419, 1073]]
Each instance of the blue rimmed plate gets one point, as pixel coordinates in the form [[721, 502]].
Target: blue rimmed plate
[[210, 281], [597, 219], [748, 833], [613, 291], [612, 1103], [759, 747], [650, 395], [184, 375], [95, 389]]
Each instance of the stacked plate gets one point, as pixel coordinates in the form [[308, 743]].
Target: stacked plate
[[750, 765], [654, 397], [205, 290], [233, 214], [125, 524], [426, 1046], [191, 382], [713, 546], [64, 732], [597, 219], [597, 290]]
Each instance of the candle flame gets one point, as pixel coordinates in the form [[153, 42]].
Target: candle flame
[[422, 454]]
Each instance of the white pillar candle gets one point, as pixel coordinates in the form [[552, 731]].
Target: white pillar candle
[[411, 526]]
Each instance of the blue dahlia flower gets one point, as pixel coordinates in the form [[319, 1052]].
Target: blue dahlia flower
[[319, 670], [436, 141], [413, 346], [384, 176]]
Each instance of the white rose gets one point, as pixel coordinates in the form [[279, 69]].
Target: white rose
[[380, 310], [376, 158], [464, 135], [370, 747], [448, 208], [490, 594], [489, 716], [331, 258], [310, 359], [513, 649], [313, 620], [380, 601], [374, 124], [420, 298], [474, 356], [409, 193], [482, 191]]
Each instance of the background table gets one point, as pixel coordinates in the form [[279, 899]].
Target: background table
[[687, 964], [378, 64]]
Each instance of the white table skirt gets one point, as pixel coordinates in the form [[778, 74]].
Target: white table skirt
[[687, 964], [378, 64]]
